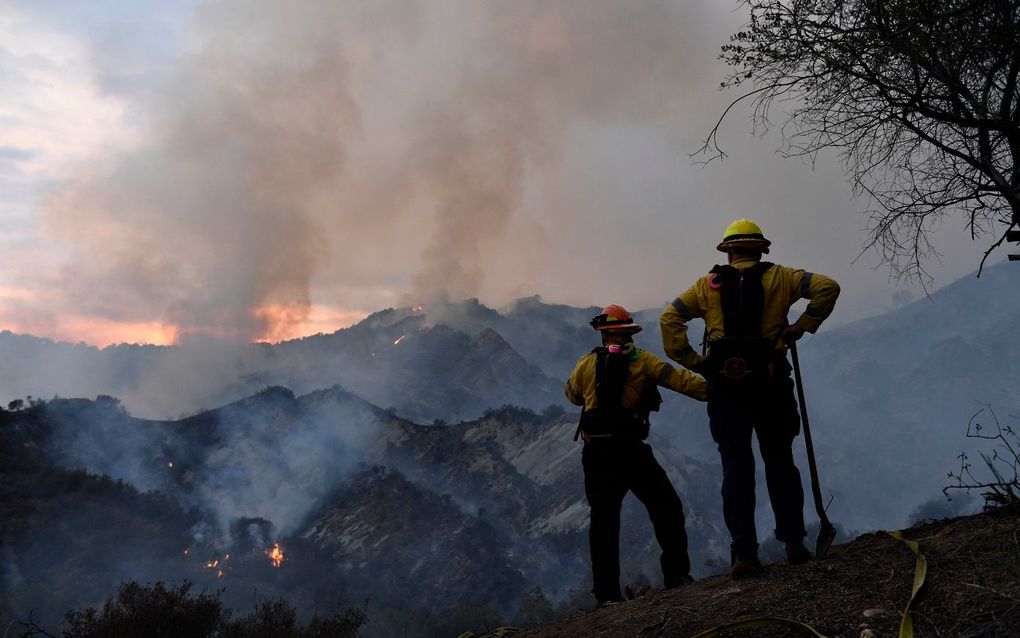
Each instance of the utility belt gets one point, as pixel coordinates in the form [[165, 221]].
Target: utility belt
[[624, 423], [744, 359]]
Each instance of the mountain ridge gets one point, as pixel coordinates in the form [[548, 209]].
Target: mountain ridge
[[875, 387], [325, 474]]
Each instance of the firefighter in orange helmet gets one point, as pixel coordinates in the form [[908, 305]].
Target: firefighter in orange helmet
[[745, 305], [617, 385]]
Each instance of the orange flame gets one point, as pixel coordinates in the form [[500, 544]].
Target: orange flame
[[275, 554]]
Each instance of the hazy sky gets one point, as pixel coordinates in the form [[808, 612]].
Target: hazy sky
[[262, 169]]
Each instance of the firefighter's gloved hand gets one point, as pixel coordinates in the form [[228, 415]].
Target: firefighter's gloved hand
[[791, 334], [701, 367]]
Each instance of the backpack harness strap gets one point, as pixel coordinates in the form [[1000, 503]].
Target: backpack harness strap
[[611, 419], [742, 352]]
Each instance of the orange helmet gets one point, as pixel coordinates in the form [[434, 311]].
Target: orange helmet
[[617, 319]]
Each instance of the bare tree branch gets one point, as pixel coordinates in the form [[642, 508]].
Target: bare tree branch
[[919, 98], [1003, 463]]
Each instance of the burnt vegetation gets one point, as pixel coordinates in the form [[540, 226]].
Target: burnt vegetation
[[79, 536], [998, 481], [72, 537]]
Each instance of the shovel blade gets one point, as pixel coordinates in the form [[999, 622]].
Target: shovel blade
[[826, 534]]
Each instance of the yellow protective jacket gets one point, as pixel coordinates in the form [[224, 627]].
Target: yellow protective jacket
[[644, 370], [782, 287]]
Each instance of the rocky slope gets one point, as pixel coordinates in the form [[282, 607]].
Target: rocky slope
[[861, 589], [429, 521]]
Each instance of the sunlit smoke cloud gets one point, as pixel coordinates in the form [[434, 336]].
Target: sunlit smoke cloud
[[214, 225], [345, 142]]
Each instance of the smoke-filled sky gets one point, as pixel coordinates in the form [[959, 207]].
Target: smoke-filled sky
[[260, 169]]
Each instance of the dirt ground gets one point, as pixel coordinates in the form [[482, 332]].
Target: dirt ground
[[972, 589]]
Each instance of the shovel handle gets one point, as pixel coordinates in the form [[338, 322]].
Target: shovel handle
[[816, 489], [580, 420]]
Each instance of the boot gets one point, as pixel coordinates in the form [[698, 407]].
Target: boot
[[745, 567], [676, 583], [629, 593], [797, 554]]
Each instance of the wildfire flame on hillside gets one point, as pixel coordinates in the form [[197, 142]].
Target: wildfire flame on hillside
[[216, 564], [275, 554]]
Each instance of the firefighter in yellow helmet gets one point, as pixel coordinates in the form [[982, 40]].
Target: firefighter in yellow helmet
[[617, 385], [745, 305]]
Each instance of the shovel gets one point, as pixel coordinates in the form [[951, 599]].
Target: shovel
[[826, 532]]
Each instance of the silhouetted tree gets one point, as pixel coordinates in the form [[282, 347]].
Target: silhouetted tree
[[158, 610], [918, 97], [139, 610]]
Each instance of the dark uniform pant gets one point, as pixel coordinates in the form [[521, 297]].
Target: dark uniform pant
[[612, 467], [735, 409]]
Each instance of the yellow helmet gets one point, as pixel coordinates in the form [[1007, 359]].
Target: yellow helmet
[[744, 233]]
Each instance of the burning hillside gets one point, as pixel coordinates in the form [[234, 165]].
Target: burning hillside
[[304, 497]]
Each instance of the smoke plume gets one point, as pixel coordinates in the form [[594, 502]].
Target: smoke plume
[[270, 457], [316, 150]]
